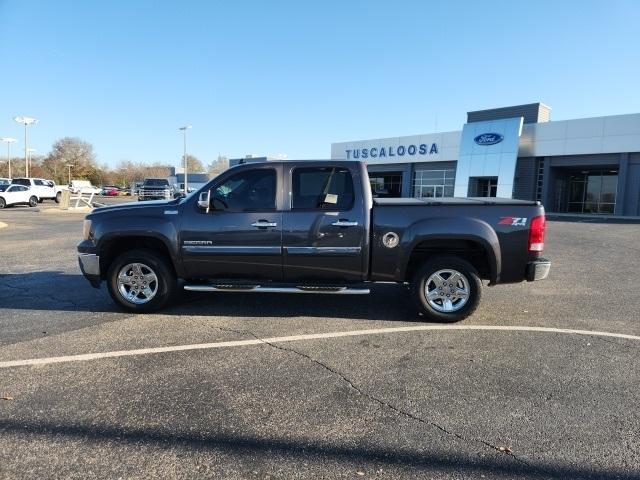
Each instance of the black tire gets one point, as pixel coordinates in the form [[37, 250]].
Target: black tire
[[3, 203], [166, 280], [58, 197], [33, 201], [436, 264]]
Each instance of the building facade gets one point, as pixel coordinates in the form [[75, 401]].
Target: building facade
[[586, 165]]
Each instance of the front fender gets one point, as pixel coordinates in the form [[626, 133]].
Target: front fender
[[458, 228], [108, 230]]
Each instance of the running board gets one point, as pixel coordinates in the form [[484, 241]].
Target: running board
[[260, 289]]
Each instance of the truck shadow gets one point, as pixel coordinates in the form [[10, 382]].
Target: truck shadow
[[64, 292]]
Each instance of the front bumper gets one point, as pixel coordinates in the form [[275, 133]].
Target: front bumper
[[90, 267], [538, 270]]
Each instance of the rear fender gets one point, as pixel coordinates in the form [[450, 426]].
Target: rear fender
[[459, 228]]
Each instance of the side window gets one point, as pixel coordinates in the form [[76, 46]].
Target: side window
[[21, 181], [251, 190], [322, 188], [39, 183]]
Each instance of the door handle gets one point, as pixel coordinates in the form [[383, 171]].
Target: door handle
[[344, 223], [264, 224]]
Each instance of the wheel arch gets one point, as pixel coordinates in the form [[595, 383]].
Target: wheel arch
[[468, 238], [113, 246]]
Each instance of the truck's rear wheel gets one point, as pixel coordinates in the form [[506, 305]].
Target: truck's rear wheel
[[446, 289], [141, 281]]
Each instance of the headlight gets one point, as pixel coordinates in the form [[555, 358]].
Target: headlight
[[86, 229]]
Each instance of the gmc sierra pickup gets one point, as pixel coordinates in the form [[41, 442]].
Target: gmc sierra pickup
[[311, 227]]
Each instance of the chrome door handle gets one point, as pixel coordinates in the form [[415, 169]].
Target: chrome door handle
[[264, 224], [344, 223]]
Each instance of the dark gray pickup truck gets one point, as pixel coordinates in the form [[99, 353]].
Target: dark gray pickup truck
[[311, 227]]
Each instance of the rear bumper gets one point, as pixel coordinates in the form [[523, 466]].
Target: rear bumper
[[538, 270], [90, 267]]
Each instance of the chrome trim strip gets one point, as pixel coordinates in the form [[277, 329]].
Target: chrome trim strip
[[232, 250], [89, 263], [341, 291], [338, 251]]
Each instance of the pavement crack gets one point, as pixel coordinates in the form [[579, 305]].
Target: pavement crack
[[384, 403]]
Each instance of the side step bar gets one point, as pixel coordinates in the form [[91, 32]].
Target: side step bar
[[261, 289]]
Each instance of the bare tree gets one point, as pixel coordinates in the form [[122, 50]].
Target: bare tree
[[72, 151], [218, 166]]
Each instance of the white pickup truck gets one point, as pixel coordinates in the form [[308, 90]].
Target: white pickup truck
[[83, 186]]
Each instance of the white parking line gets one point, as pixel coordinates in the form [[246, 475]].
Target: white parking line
[[296, 338]]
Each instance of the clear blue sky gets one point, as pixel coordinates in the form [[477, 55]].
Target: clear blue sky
[[292, 77]]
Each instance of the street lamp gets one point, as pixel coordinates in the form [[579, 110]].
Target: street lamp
[[26, 121], [8, 141], [30, 151], [184, 138], [69, 166]]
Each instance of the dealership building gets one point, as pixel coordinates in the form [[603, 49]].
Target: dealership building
[[581, 166]]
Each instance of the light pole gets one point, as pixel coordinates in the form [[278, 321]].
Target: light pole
[[8, 141], [30, 151], [69, 166], [184, 139], [26, 121]]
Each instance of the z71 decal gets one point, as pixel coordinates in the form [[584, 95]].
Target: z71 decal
[[513, 221]]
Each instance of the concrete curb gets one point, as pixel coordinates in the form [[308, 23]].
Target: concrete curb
[[70, 210]]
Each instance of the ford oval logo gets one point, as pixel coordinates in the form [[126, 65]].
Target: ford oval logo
[[488, 139]]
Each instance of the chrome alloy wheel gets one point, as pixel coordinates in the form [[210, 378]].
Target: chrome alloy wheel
[[447, 290], [137, 283]]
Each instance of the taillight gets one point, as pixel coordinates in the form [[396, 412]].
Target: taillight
[[536, 234]]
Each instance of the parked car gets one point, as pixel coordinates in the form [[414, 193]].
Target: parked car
[[312, 227], [156, 189], [40, 187], [83, 186], [110, 191], [17, 195]]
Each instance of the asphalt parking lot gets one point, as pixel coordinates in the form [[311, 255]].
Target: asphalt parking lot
[[369, 392]]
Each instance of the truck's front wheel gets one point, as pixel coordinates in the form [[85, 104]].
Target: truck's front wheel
[[446, 289], [141, 281]]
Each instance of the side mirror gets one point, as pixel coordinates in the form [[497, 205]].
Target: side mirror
[[204, 200]]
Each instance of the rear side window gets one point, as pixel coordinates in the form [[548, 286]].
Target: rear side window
[[248, 191], [22, 181], [322, 188]]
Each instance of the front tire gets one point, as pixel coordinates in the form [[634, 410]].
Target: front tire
[[141, 281], [33, 201], [58, 197], [3, 203], [446, 289]]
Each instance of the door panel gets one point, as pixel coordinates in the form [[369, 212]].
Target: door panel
[[229, 241], [323, 231]]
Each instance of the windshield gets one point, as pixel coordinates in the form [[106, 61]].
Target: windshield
[[156, 182]]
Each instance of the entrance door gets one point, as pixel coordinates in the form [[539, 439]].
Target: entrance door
[[241, 235]]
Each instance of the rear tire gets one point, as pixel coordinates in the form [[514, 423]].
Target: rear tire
[[33, 201], [129, 269], [446, 289]]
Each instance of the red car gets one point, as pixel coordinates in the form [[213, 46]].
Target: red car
[[110, 191]]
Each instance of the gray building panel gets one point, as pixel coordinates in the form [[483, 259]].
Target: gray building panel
[[531, 112], [524, 184]]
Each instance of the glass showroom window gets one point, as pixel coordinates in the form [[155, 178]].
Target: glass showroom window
[[433, 183]]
